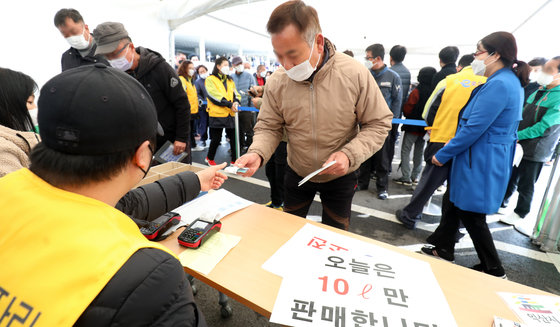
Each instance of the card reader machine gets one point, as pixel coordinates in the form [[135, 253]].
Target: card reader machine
[[197, 232], [157, 227]]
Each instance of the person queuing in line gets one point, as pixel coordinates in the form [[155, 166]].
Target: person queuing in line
[[538, 135], [482, 152], [82, 44], [260, 75], [223, 101], [536, 66], [243, 81], [186, 74], [201, 75], [414, 135], [391, 88], [275, 168], [17, 135], [396, 58], [320, 97], [155, 74], [447, 58], [441, 114], [124, 280]]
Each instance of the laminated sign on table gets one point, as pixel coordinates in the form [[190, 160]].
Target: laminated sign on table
[[334, 280]]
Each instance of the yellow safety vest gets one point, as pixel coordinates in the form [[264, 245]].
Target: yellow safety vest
[[190, 89], [458, 89], [214, 83], [58, 250]]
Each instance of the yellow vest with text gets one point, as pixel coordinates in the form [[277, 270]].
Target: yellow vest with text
[[190, 89], [214, 83], [458, 89], [58, 250]]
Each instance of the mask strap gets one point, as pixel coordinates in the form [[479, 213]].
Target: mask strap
[[150, 164]]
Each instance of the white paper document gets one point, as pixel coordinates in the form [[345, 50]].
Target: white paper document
[[209, 207], [313, 174], [335, 280], [534, 310], [210, 253]]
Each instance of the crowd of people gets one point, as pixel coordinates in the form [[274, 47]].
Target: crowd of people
[[97, 129]]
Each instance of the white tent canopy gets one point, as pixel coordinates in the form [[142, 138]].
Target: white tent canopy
[[31, 43]]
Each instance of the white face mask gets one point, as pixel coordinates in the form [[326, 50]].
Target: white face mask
[[545, 79], [239, 69], [369, 64], [533, 76], [78, 41], [263, 74], [302, 71], [122, 63], [204, 75], [191, 72], [225, 70], [33, 113], [479, 67]]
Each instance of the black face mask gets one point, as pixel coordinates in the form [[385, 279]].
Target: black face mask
[[150, 165]]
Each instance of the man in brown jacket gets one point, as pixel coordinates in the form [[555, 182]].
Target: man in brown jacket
[[331, 109]]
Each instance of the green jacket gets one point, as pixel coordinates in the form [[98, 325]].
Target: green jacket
[[540, 128]]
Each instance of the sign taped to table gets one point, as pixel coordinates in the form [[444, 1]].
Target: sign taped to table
[[335, 280]]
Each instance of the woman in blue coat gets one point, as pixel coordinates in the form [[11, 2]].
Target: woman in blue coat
[[482, 152]]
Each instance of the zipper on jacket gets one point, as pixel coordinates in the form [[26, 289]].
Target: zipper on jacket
[[470, 158], [313, 133]]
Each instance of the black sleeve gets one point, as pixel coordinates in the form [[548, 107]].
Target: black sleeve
[[433, 110], [177, 98], [223, 102], [150, 289], [155, 199]]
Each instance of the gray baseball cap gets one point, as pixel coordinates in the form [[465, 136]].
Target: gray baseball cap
[[108, 36]]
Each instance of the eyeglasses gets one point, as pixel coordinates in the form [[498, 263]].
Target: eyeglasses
[[478, 53], [368, 58]]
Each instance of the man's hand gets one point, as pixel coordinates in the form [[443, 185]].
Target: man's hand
[[252, 161], [211, 178], [179, 147], [436, 162], [340, 168], [257, 102]]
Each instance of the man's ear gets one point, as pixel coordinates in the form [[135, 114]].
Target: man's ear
[[143, 155], [320, 42]]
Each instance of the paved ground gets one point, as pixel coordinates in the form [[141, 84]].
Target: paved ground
[[523, 261]]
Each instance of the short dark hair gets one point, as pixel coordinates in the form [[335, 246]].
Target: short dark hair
[[62, 169], [15, 89], [377, 50], [62, 14], [348, 52], [449, 55], [466, 60], [297, 13], [538, 61], [200, 66], [398, 52]]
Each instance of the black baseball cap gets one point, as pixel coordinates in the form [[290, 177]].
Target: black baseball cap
[[95, 110], [108, 36]]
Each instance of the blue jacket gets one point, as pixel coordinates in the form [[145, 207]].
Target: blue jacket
[[483, 147], [243, 82], [390, 85]]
